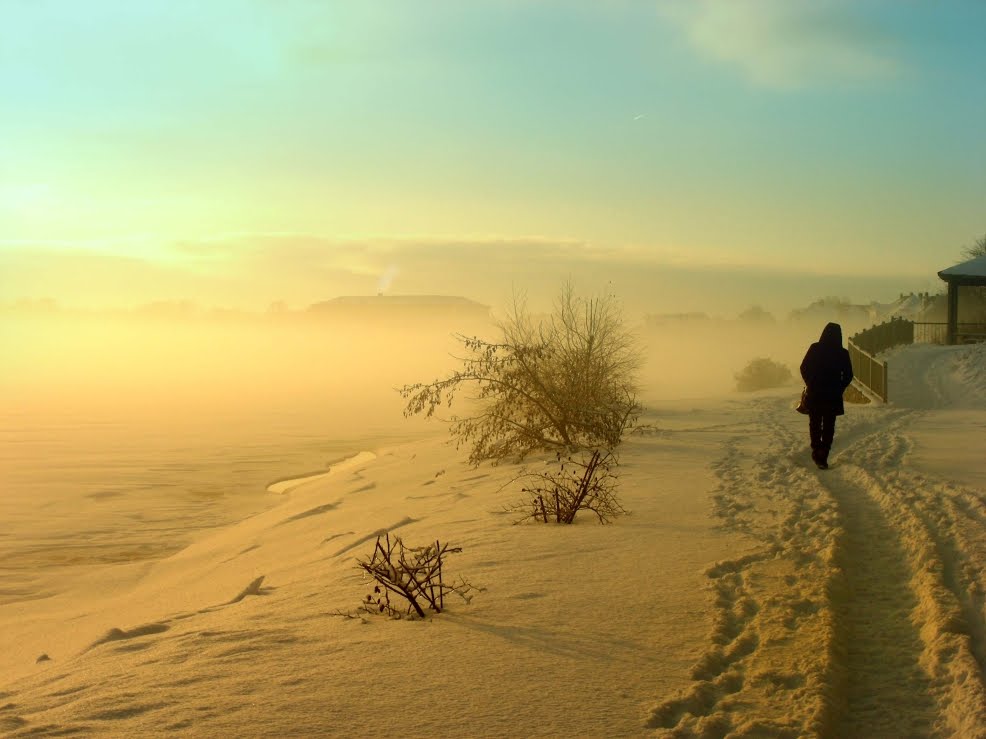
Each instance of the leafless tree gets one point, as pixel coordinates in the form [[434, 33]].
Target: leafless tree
[[562, 383], [978, 248]]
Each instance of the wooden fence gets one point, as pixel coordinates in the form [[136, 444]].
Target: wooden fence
[[937, 333], [864, 346], [930, 333], [868, 370]]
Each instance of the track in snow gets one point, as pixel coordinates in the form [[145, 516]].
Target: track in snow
[[860, 604], [887, 691]]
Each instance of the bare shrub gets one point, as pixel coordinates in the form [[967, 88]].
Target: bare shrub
[[756, 314], [563, 383], [583, 482], [413, 575], [978, 249], [761, 374]]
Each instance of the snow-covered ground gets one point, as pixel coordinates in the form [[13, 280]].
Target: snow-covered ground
[[747, 594]]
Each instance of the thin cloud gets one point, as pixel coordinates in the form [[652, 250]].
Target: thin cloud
[[423, 260], [252, 271], [787, 44]]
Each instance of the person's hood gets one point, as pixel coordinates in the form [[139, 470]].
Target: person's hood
[[831, 335]]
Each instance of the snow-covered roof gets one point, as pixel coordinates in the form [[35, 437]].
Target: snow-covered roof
[[975, 268]]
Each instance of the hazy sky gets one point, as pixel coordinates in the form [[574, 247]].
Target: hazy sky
[[240, 151]]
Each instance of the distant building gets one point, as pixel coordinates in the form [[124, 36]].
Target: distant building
[[920, 307], [832, 308], [966, 300]]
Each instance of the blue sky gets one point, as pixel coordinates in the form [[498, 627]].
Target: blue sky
[[825, 137]]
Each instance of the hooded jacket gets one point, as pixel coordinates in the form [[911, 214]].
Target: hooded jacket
[[827, 372]]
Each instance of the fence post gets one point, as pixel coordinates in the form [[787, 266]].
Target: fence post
[[885, 393]]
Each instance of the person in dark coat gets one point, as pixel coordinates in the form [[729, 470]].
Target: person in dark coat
[[827, 372]]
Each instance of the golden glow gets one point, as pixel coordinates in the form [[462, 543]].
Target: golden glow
[[383, 132]]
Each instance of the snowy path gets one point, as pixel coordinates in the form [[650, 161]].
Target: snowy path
[[883, 645], [861, 614]]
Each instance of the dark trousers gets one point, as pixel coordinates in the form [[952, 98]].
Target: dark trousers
[[821, 429]]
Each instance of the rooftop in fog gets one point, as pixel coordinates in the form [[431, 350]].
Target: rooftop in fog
[[975, 268]]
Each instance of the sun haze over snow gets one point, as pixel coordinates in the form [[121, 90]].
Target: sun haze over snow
[[163, 147]]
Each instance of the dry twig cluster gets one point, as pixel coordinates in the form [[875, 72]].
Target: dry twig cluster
[[572, 484], [412, 574]]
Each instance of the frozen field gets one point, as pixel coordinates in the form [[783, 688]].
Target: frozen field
[[747, 594]]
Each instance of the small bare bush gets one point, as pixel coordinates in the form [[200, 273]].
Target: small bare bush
[[586, 482], [415, 576], [756, 314], [761, 374]]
